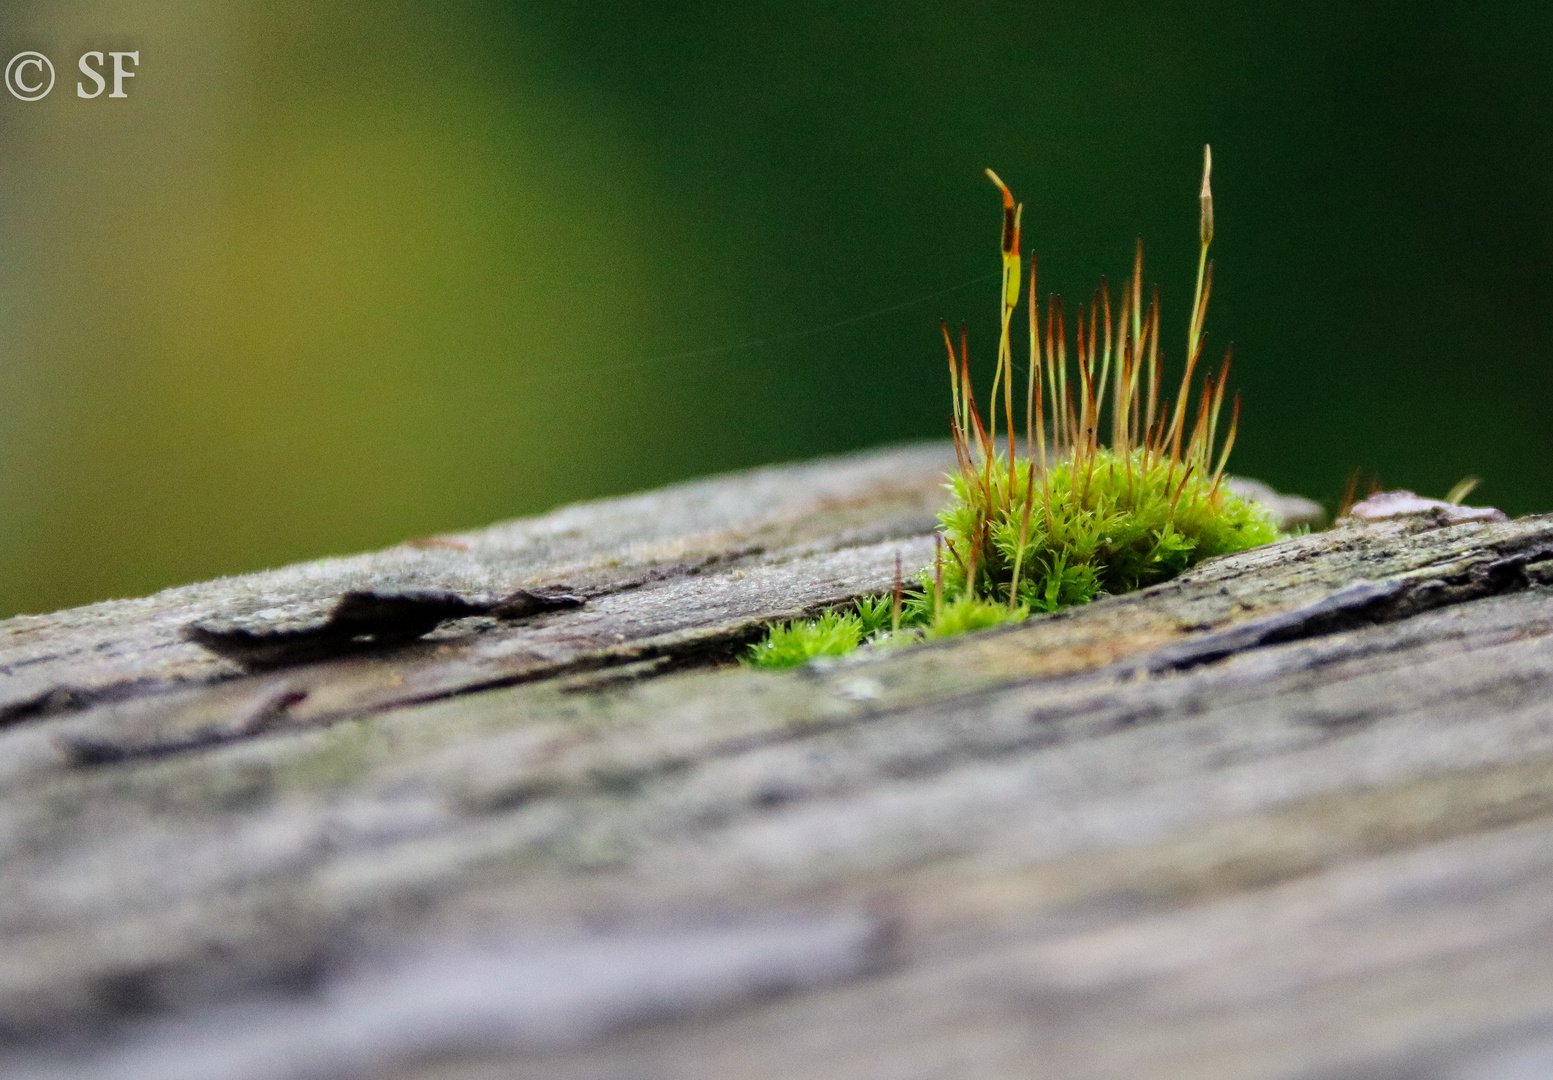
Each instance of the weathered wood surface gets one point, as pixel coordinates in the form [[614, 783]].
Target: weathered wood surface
[[1290, 815]]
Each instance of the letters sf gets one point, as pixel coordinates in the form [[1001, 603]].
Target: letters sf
[[29, 76]]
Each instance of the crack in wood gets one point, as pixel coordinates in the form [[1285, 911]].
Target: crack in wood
[[360, 621]]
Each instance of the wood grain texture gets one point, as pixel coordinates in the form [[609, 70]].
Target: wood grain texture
[[1290, 815]]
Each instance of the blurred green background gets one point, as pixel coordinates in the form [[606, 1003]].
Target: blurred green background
[[341, 273]]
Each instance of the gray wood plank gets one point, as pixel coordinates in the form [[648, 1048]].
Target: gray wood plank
[[1290, 815]]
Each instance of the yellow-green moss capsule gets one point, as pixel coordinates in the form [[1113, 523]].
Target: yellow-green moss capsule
[[1011, 280]]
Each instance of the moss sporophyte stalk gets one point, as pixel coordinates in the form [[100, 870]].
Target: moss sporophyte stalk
[[1050, 517]]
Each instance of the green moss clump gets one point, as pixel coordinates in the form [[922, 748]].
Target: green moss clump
[[1071, 517], [1107, 525], [790, 644], [963, 614]]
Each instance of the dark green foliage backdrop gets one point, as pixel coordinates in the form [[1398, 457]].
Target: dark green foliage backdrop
[[339, 274]]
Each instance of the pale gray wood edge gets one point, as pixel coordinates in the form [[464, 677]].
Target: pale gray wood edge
[[764, 515], [688, 573]]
